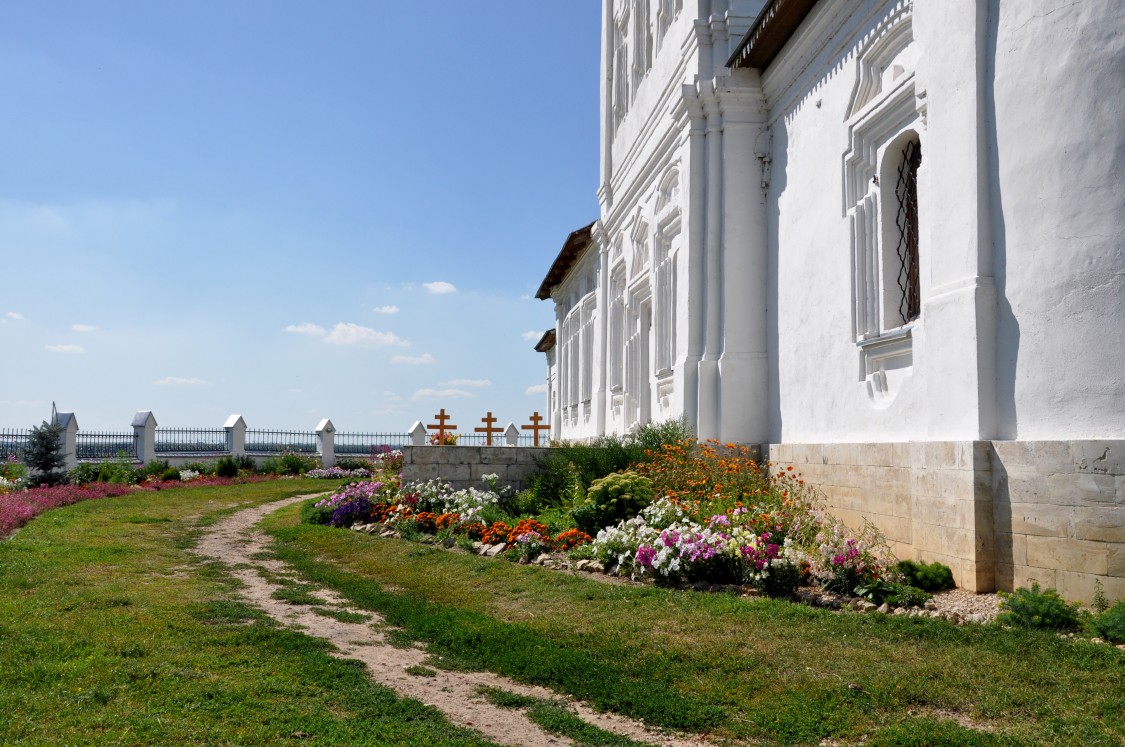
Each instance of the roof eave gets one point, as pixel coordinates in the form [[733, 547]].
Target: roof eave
[[575, 243]]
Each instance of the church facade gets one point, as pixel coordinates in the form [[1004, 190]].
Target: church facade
[[884, 240]]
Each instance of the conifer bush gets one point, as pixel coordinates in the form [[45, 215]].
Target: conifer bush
[[1037, 608], [45, 455], [926, 576], [1110, 624]]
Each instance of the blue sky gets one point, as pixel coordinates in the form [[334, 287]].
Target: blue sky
[[287, 210]]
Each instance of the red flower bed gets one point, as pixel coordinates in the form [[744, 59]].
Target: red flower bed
[[19, 507]]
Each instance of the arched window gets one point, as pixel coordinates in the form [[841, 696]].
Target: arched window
[[906, 221]]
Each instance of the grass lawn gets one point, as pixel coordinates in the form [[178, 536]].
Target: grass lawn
[[111, 633], [765, 671]]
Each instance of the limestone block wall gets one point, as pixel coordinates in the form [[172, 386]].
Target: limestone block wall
[[465, 466], [1060, 515], [1000, 514]]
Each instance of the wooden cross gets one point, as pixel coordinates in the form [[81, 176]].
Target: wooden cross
[[535, 426], [488, 430], [442, 425]]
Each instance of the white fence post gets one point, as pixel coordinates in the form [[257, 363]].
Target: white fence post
[[512, 435], [418, 434], [236, 435], [326, 442], [144, 429], [68, 439]]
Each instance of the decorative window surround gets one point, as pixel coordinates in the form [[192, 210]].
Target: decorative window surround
[[883, 113]]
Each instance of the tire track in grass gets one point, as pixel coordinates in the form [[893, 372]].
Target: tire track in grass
[[235, 541]]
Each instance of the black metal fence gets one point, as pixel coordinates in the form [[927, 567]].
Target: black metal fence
[[274, 442], [498, 439], [105, 446], [191, 441], [366, 444], [13, 441]]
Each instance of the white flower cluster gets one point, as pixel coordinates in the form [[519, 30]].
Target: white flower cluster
[[439, 497], [187, 475]]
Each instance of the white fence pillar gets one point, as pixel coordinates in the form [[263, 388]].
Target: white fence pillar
[[68, 439], [418, 434], [512, 435], [144, 430], [326, 442], [236, 435]]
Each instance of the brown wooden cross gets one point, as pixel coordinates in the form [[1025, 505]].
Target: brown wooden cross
[[442, 425], [535, 427], [488, 430]]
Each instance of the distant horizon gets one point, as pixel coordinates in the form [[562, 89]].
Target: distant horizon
[[288, 213]]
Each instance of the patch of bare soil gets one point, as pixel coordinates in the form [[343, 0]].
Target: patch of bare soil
[[235, 541]]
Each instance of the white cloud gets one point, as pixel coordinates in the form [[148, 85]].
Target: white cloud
[[178, 381], [531, 335], [537, 389], [307, 328], [14, 315], [440, 287], [392, 396], [84, 328], [388, 309], [22, 402], [294, 390], [65, 349], [424, 359], [348, 333], [525, 297], [440, 394], [467, 382]]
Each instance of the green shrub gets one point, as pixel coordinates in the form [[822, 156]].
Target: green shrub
[[85, 473], [926, 576], [782, 580], [570, 469], [1033, 608], [155, 468], [310, 514], [226, 467], [612, 498], [170, 474], [203, 468], [895, 595], [1099, 603], [290, 463], [1110, 624], [245, 463], [524, 503], [350, 463]]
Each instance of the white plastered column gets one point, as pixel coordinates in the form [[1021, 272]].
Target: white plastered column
[[709, 421], [743, 365]]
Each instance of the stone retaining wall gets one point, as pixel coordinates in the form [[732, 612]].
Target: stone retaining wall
[[999, 513], [464, 466]]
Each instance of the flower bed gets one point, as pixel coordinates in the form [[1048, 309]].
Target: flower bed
[[19, 507]]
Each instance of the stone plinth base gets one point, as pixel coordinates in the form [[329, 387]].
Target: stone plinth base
[[1001, 514], [465, 466]]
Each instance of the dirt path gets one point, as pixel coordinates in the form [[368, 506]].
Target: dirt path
[[235, 541]]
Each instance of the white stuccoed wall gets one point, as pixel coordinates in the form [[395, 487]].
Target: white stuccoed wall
[[1058, 219]]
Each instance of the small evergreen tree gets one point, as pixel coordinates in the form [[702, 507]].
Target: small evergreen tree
[[45, 455]]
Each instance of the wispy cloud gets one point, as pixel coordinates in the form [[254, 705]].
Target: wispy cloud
[[179, 381], [525, 297], [440, 287], [84, 328], [65, 349], [307, 328], [424, 359], [422, 394], [22, 402], [467, 382], [388, 309], [531, 335], [537, 389], [14, 315], [294, 390], [348, 333]]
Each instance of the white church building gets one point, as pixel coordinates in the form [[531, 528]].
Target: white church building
[[885, 241]]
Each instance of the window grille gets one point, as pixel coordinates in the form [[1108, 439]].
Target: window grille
[[907, 221]]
